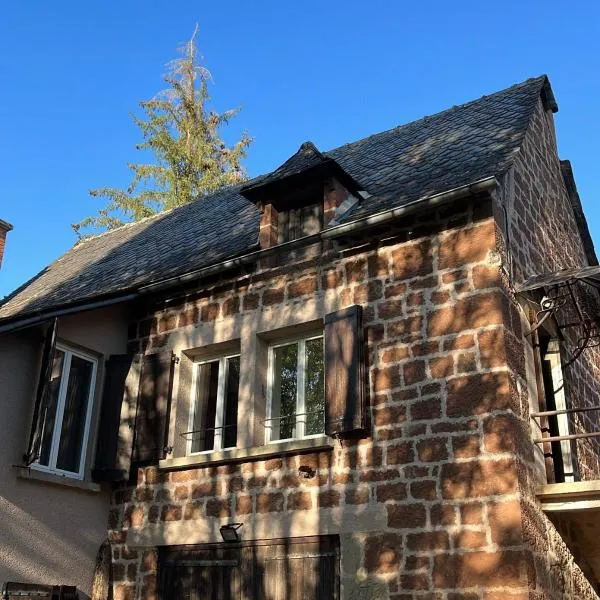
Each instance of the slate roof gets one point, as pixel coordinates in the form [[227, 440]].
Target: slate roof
[[434, 154]]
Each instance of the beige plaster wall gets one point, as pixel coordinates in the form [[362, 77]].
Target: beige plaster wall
[[49, 533]]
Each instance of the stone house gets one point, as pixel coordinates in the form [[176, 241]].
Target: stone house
[[371, 373]]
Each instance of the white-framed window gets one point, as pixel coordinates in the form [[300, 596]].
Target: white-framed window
[[68, 412], [296, 390], [213, 418]]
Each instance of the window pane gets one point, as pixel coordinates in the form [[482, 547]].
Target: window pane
[[50, 409], [74, 416], [230, 408], [314, 397], [207, 384], [285, 384]]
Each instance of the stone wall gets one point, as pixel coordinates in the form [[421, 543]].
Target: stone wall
[[430, 499], [541, 237]]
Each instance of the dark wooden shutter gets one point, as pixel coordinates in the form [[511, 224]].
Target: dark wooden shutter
[[183, 404], [153, 407], [115, 406], [41, 397], [345, 382]]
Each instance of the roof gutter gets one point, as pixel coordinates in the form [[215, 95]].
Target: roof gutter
[[365, 223]]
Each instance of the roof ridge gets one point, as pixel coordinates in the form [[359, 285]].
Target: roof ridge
[[541, 78]]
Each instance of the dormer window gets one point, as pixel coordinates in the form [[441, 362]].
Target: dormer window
[[299, 199]]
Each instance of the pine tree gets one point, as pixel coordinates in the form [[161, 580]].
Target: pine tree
[[183, 135]]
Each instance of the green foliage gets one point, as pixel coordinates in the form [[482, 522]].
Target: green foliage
[[191, 159]]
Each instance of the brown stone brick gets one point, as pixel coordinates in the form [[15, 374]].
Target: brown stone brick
[[422, 283], [375, 333], [424, 348], [273, 464], [342, 478], [454, 275], [379, 475], [501, 433], [442, 366], [332, 278], [187, 475], [389, 415], [131, 572], [390, 309], [329, 498], [440, 297], [144, 494], [453, 427], [488, 569], [273, 296], [406, 516], [467, 245], [423, 490], [391, 492], [405, 329], [128, 553], [124, 591], [218, 507], [492, 348], [414, 372], [118, 571], [378, 265], [426, 409], [459, 342], [386, 378], [167, 322], [413, 260], [505, 519], [471, 513], [383, 553], [466, 362], [182, 492], [243, 504], [356, 270], [428, 541], [266, 502], [251, 301], [210, 312], [473, 312], [137, 517], [470, 540], [442, 515], [478, 394], [231, 306], [432, 450], [193, 510], [416, 582], [485, 276], [154, 514], [171, 512], [393, 290], [466, 446], [479, 478], [358, 495], [394, 354], [188, 317], [400, 453], [299, 501], [201, 490], [417, 563]]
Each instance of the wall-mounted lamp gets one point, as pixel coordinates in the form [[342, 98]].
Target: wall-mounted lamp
[[229, 532]]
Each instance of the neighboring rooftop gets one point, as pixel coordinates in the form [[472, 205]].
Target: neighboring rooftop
[[453, 148]]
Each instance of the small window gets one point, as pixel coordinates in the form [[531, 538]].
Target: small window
[[67, 413], [215, 405], [296, 390], [300, 222]]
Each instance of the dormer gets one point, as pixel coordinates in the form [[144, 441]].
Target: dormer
[[301, 197]]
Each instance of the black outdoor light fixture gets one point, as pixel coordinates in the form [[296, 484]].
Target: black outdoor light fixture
[[229, 532]]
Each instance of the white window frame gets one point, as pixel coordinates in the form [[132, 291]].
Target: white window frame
[[272, 427], [60, 410], [219, 410]]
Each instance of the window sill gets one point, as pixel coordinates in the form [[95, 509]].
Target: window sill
[[54, 479], [234, 455]]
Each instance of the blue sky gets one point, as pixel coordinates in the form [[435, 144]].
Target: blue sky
[[72, 72]]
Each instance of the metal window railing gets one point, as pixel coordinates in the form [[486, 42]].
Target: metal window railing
[[565, 411]]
